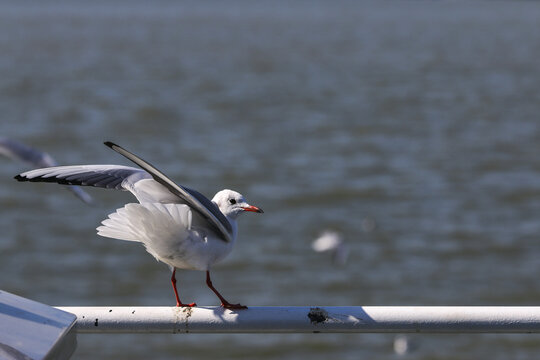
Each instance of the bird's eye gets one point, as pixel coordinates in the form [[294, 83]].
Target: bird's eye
[[232, 201]]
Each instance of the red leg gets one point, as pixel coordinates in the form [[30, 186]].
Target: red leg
[[173, 282], [224, 303]]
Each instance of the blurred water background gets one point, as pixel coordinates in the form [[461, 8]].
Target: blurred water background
[[410, 127]]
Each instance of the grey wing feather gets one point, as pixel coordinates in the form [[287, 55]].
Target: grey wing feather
[[105, 176]]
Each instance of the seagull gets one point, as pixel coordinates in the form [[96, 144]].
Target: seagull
[[177, 225], [19, 151], [331, 241]]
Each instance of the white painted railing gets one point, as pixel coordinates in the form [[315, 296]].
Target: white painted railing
[[303, 319]]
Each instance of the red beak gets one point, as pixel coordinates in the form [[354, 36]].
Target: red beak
[[252, 209]]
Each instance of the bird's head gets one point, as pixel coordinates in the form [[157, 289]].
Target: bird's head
[[232, 203]]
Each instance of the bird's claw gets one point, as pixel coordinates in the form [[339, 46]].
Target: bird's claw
[[186, 305]]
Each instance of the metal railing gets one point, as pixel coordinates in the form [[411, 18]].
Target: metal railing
[[305, 319]]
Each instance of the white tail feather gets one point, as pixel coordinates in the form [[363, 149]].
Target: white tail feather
[[118, 226], [142, 222]]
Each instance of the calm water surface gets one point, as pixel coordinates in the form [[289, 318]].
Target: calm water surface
[[421, 117]]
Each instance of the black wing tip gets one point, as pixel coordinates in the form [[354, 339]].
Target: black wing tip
[[20, 178], [51, 179], [110, 144]]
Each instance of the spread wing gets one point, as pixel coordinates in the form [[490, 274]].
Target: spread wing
[[156, 188], [194, 199]]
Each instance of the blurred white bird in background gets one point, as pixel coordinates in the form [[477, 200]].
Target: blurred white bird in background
[[35, 158], [331, 241], [404, 345]]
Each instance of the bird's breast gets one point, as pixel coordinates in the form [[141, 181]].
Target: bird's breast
[[199, 251]]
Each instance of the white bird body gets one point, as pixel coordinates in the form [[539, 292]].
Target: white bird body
[[177, 225], [328, 241], [171, 232]]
